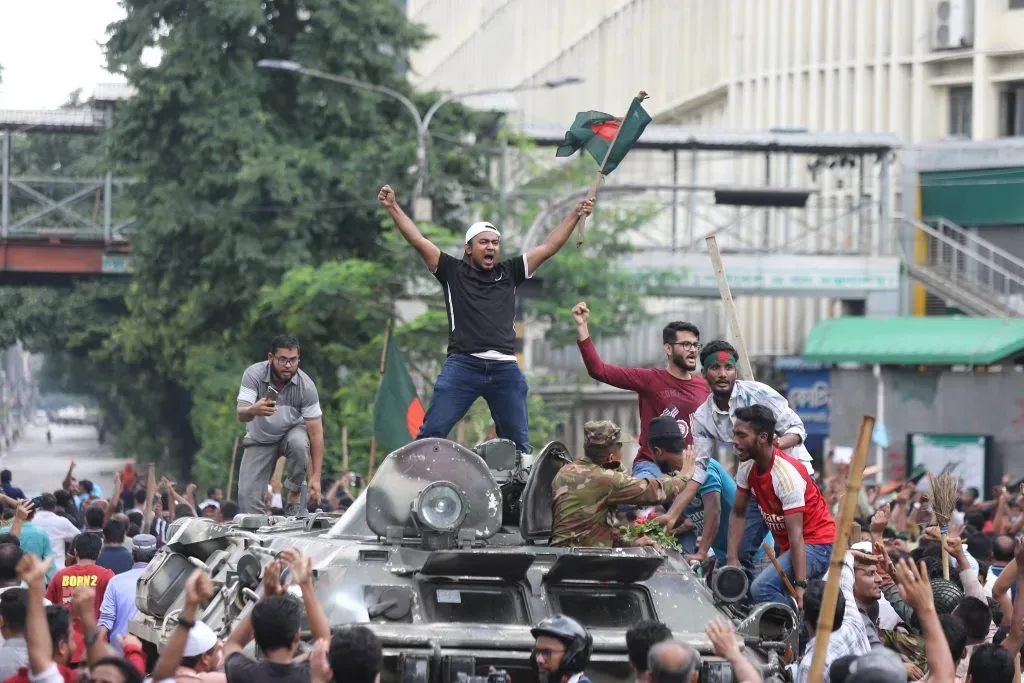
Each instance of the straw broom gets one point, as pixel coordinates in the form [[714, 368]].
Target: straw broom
[[944, 494]]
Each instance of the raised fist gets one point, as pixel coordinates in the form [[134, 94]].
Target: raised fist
[[580, 313], [386, 197]]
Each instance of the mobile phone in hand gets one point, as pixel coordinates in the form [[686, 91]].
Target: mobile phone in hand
[[272, 394]]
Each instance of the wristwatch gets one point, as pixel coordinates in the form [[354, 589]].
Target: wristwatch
[[184, 623], [91, 637], [800, 584]]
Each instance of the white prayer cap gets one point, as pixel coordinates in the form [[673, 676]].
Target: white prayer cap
[[477, 228], [201, 639]]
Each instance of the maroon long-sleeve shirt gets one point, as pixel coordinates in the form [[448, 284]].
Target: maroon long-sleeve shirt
[[659, 392]]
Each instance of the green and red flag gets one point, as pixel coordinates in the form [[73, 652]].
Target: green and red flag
[[397, 411], [607, 138]]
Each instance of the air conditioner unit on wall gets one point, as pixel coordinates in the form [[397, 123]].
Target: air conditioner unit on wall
[[952, 24]]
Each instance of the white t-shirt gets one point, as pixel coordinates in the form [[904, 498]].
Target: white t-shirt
[[60, 530]]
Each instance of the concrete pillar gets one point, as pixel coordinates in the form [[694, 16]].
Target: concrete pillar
[[983, 114]]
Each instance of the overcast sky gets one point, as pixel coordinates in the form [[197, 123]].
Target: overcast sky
[[49, 48]]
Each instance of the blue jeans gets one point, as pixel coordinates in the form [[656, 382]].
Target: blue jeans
[[466, 378], [768, 587], [754, 531]]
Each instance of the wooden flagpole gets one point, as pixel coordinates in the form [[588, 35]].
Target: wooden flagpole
[[778, 568], [844, 525], [383, 366], [599, 176], [231, 472], [745, 369], [147, 515]]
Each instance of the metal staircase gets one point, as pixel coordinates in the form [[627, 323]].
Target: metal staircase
[[972, 274]]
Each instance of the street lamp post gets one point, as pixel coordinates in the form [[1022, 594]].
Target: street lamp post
[[422, 208]]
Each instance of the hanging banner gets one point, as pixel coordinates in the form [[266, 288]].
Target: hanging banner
[[809, 393]]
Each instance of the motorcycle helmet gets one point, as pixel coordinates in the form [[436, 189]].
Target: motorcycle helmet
[[579, 644]]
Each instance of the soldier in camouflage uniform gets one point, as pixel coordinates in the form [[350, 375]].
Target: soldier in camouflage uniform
[[586, 491]]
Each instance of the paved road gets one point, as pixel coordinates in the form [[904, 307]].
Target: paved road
[[38, 466]]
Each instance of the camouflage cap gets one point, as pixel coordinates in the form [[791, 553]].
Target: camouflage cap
[[601, 433]]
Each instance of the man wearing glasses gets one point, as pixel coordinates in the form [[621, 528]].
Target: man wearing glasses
[[281, 405], [675, 390]]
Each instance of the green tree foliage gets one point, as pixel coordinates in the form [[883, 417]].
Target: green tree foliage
[[258, 214], [252, 172]]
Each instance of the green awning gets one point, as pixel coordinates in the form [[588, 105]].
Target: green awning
[[928, 340], [974, 197]]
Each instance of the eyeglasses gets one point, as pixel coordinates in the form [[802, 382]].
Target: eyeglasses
[[281, 360], [696, 346], [546, 653]]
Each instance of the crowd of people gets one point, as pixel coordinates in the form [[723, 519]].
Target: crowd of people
[[70, 561], [77, 556], [897, 617]]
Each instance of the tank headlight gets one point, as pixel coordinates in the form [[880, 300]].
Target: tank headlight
[[440, 507]]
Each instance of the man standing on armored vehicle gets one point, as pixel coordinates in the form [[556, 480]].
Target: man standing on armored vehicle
[[281, 405], [585, 492], [480, 299]]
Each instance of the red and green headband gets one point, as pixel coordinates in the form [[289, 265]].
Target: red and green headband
[[724, 357]]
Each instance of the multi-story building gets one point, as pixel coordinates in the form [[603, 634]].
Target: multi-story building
[[924, 70]]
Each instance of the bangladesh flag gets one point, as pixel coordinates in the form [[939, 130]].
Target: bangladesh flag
[[595, 131], [397, 411]]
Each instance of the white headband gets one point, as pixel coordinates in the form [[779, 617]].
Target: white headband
[[478, 228]]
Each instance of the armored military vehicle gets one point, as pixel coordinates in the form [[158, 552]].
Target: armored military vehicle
[[444, 555]]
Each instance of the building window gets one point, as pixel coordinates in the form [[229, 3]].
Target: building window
[[960, 110], [1016, 4], [1011, 110]]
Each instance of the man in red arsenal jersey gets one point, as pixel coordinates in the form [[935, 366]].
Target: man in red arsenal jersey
[[676, 390], [791, 504]]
